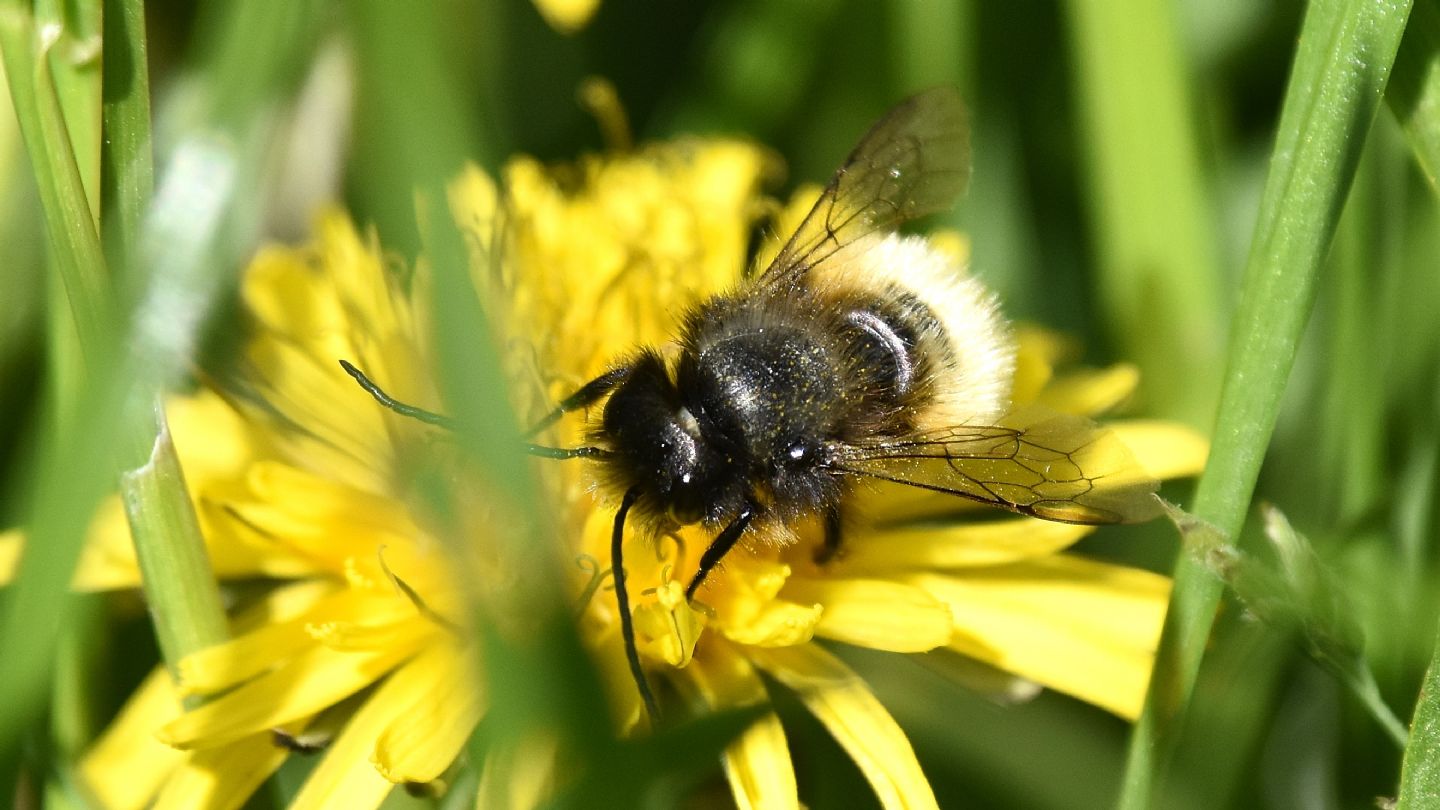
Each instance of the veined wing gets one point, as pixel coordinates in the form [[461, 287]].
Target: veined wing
[[1062, 468], [914, 161]]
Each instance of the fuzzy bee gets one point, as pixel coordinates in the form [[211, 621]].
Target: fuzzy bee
[[858, 355]]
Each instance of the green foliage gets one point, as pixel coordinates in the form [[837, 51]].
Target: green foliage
[[1129, 156]]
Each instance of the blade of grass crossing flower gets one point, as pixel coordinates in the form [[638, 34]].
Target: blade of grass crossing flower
[[78, 652], [1346, 50], [204, 214], [1420, 771], [68, 484], [413, 138], [1414, 93], [401, 72]]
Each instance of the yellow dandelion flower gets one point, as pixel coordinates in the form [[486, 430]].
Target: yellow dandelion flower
[[567, 16], [300, 476]]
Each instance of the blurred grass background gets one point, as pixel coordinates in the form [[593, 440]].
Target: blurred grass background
[[1120, 150]]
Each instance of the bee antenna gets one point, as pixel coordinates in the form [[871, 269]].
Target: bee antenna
[[622, 601], [418, 414]]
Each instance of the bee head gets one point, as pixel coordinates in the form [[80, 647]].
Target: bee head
[[658, 446]]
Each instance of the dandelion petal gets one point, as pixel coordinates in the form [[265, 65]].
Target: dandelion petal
[[1091, 391], [1085, 628], [844, 704], [965, 545], [222, 778], [1164, 449], [758, 763], [426, 737], [306, 685], [347, 777], [128, 765], [875, 613]]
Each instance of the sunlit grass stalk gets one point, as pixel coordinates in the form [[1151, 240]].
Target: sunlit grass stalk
[[68, 482], [75, 65], [1157, 256], [189, 232], [74, 62], [1340, 71], [187, 604], [175, 571], [70, 225]]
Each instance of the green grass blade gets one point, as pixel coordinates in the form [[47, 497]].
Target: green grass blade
[[1346, 50], [204, 216], [68, 483], [69, 218], [179, 585], [75, 63], [175, 572], [393, 158], [1420, 773], [1158, 269], [127, 159], [1414, 93]]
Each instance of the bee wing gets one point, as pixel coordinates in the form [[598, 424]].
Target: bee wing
[[914, 161], [1061, 468]]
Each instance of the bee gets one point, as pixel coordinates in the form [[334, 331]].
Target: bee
[[858, 355]]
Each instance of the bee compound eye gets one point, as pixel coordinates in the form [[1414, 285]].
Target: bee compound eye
[[798, 452]]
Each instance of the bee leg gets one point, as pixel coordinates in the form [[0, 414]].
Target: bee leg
[[827, 552], [585, 396], [622, 601], [719, 547], [419, 414]]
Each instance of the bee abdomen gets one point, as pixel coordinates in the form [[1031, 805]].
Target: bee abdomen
[[929, 347], [893, 344]]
